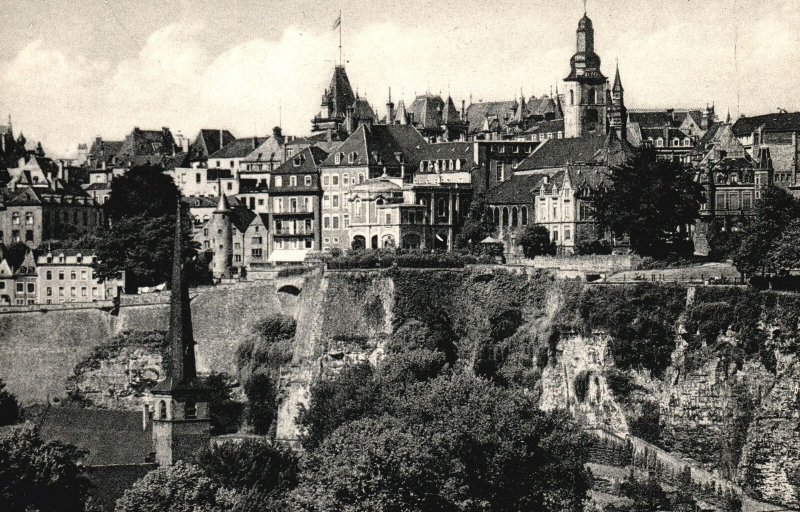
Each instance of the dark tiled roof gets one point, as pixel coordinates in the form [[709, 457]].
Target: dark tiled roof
[[777, 122], [208, 142], [477, 113], [110, 436], [242, 216], [105, 150], [200, 201], [147, 143], [427, 111], [655, 119], [381, 141], [239, 148], [591, 149], [339, 94], [446, 151], [519, 189], [554, 126], [99, 186], [305, 162]]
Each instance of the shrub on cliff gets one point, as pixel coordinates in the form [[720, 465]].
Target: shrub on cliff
[[535, 241], [9, 407]]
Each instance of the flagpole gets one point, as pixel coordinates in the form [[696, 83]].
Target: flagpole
[[340, 37]]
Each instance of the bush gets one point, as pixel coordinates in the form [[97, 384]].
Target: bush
[[586, 247], [292, 271], [224, 411], [386, 258], [262, 397], [9, 407], [535, 241]]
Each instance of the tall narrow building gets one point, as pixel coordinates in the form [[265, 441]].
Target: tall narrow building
[[617, 113], [181, 422], [222, 239], [585, 106]]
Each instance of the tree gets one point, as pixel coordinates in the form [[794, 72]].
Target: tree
[[586, 246], [224, 410], [9, 407], [647, 496], [183, 487], [651, 201], [478, 226], [348, 396], [785, 254], [261, 396], [535, 241], [40, 475], [775, 212], [139, 240], [251, 465]]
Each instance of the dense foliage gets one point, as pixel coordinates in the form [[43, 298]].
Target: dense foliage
[[535, 241], [40, 475], [259, 360], [401, 258], [651, 201], [767, 242], [478, 226], [141, 232]]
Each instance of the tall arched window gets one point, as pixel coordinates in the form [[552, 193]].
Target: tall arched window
[[496, 216], [571, 97], [442, 208], [505, 217], [524, 215], [514, 217], [162, 410]]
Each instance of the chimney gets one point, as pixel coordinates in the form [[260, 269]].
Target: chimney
[[60, 174], [463, 111], [220, 140], [277, 134]]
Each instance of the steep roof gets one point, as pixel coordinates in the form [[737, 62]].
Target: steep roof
[[339, 94], [362, 110], [446, 151], [207, 142], [110, 436], [591, 149], [305, 162], [427, 111], [553, 126], [477, 113], [147, 142], [377, 145], [269, 150], [240, 148], [242, 216], [776, 122], [519, 189]]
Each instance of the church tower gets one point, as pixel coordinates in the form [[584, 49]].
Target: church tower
[[585, 96], [181, 423], [222, 239], [617, 113]]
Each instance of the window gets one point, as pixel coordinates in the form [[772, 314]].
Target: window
[[346, 220], [31, 287], [278, 181], [360, 178], [388, 218], [162, 410], [20, 288], [555, 235], [326, 222], [326, 180], [335, 200], [659, 142], [335, 180], [237, 258], [442, 208], [15, 218], [307, 181], [61, 275], [60, 291], [49, 291], [94, 291], [257, 253], [257, 240], [83, 275], [73, 292], [675, 142], [571, 97], [84, 291], [567, 234], [326, 201], [29, 235], [686, 142], [335, 221], [352, 157], [190, 410], [337, 159], [197, 178], [500, 172], [524, 216], [73, 275], [29, 219], [292, 181], [345, 179], [591, 97], [229, 185]]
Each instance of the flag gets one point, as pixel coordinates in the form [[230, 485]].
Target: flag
[[337, 23]]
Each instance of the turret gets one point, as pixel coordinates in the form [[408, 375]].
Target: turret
[[222, 239], [585, 105], [617, 113]]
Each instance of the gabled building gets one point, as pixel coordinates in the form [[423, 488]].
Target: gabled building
[[208, 142], [17, 275], [266, 156], [232, 155], [295, 201], [369, 152], [146, 147], [103, 154], [436, 119], [336, 100], [778, 133]]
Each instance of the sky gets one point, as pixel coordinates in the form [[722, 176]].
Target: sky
[[71, 70]]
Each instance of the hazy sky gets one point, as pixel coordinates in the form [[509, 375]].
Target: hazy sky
[[74, 69]]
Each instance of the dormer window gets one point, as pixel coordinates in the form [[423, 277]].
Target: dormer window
[[278, 181], [676, 142], [307, 180], [337, 158], [686, 142], [659, 142], [352, 157]]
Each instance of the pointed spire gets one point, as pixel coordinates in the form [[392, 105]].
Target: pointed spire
[[617, 80], [223, 205], [728, 118], [180, 368]]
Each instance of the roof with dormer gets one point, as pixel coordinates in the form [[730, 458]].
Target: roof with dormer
[[305, 162], [377, 145], [499, 112], [589, 149]]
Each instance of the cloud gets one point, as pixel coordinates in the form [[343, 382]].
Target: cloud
[[176, 80]]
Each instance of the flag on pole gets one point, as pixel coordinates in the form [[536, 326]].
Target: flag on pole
[[337, 23]]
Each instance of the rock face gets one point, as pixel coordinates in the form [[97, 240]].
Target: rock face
[[770, 462], [577, 382]]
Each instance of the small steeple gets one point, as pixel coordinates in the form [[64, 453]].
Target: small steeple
[[223, 205], [617, 80]]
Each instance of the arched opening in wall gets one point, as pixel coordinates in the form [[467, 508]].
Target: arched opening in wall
[[388, 242], [496, 215], [411, 241], [505, 217], [162, 410], [514, 217], [374, 242], [359, 243], [290, 289], [524, 220]]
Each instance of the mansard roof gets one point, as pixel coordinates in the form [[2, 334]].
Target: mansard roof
[[305, 162], [427, 111], [590, 149], [377, 145], [519, 189]]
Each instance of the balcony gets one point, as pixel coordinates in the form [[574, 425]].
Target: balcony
[[293, 232], [300, 210]]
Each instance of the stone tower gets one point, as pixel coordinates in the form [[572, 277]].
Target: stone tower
[[181, 423], [617, 113], [221, 234], [585, 95]]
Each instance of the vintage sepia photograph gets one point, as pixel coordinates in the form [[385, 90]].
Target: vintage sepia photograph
[[411, 256]]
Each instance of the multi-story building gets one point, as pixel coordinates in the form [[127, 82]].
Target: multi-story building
[[778, 133], [17, 275], [208, 142], [295, 195], [371, 151], [201, 181], [68, 276], [34, 215], [436, 119], [233, 154]]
